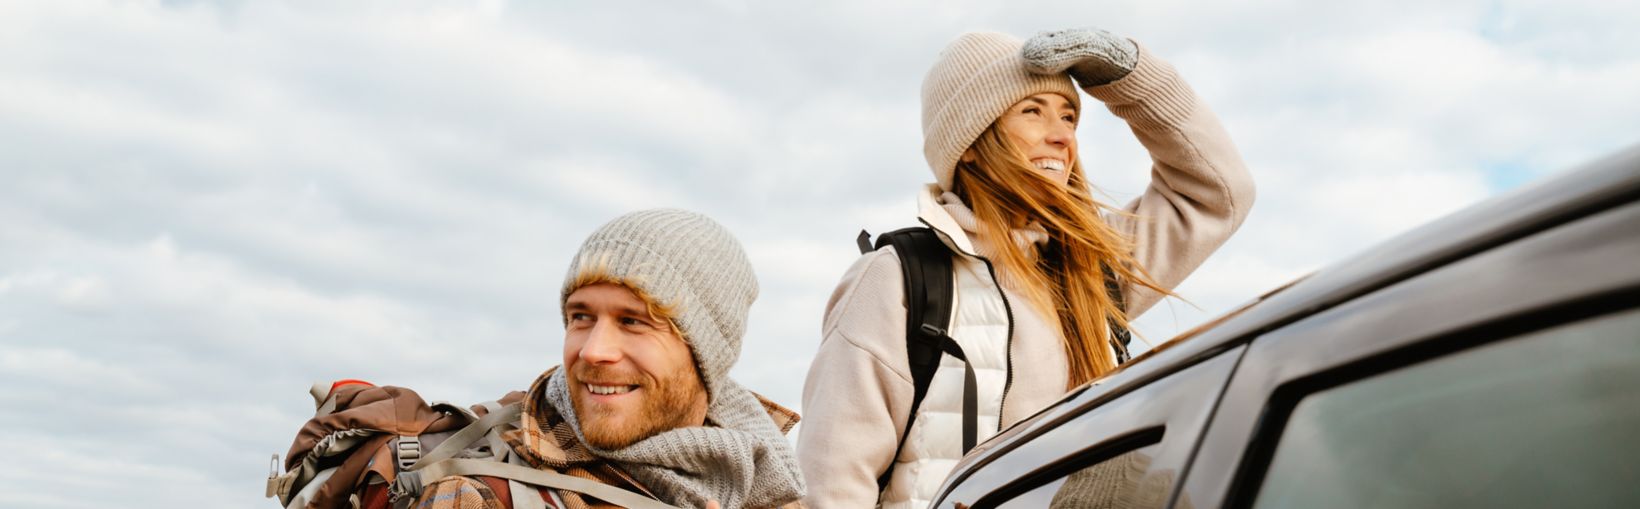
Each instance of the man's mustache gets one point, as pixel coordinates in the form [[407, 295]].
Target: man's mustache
[[607, 375]]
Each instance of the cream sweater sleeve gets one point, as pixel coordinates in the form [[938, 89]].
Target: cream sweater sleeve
[[858, 392], [1200, 191]]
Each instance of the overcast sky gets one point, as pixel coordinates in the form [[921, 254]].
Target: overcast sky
[[205, 207]]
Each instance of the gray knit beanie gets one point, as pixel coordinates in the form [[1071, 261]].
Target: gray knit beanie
[[691, 264], [973, 83], [687, 262]]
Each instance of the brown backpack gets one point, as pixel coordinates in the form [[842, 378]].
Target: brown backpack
[[372, 447]]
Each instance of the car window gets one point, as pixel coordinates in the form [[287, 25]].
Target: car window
[[1123, 481], [1548, 419]]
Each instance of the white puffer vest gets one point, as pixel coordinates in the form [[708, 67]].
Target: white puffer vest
[[982, 323]]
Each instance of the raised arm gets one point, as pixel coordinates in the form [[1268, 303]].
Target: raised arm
[[1200, 190]]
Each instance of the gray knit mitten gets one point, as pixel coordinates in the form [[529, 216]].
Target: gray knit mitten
[[1093, 56]]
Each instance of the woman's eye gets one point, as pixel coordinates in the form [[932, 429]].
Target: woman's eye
[[1068, 118], [1031, 111]]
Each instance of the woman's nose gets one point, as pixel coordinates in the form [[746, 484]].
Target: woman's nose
[[1061, 136]]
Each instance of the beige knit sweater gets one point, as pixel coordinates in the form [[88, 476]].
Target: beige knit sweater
[[858, 392]]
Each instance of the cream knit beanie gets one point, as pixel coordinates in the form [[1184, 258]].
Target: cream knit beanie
[[973, 83]]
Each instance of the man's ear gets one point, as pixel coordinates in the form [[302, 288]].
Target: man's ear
[[968, 156]]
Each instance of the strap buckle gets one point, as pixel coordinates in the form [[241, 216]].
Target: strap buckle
[[409, 450], [932, 330], [279, 484], [406, 488]]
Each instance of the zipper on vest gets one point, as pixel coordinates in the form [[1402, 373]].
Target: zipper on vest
[[1008, 346]]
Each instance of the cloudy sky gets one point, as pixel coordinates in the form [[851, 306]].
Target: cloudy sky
[[205, 207]]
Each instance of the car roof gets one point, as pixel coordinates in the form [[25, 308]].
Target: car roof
[[1590, 188]]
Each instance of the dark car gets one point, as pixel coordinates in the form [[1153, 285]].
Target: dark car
[[1489, 359]]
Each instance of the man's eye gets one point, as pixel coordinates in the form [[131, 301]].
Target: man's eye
[[1069, 118], [632, 322], [579, 317]]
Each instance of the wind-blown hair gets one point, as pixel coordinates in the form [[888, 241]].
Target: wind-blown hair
[[1005, 191]]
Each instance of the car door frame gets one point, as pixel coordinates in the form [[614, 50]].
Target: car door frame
[[1582, 268], [1168, 405]]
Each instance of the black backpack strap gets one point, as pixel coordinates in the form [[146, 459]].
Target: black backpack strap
[[926, 269], [1119, 336]]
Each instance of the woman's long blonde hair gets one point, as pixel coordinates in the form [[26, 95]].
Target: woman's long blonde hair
[[1068, 274]]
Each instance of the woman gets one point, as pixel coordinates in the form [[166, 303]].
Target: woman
[[1033, 255]]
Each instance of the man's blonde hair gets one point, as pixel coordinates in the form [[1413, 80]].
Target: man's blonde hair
[[595, 271]]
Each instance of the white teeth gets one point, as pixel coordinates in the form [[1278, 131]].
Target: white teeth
[[609, 389], [1050, 164]]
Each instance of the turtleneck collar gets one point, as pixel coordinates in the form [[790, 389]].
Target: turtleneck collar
[[1026, 237]]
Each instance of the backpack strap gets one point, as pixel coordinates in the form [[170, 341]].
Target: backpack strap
[[926, 269], [443, 461], [409, 484], [461, 439], [1120, 336]]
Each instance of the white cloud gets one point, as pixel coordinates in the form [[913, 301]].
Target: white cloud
[[68, 369], [206, 206]]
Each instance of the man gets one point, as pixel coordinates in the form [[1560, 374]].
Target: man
[[654, 309]]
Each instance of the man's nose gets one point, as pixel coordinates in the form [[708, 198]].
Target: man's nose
[[603, 344]]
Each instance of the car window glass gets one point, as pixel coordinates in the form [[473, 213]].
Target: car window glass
[[1549, 419], [1123, 481], [1127, 448]]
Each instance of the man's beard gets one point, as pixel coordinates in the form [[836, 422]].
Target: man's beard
[[664, 405]]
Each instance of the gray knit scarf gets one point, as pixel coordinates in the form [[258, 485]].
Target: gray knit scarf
[[744, 461]]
